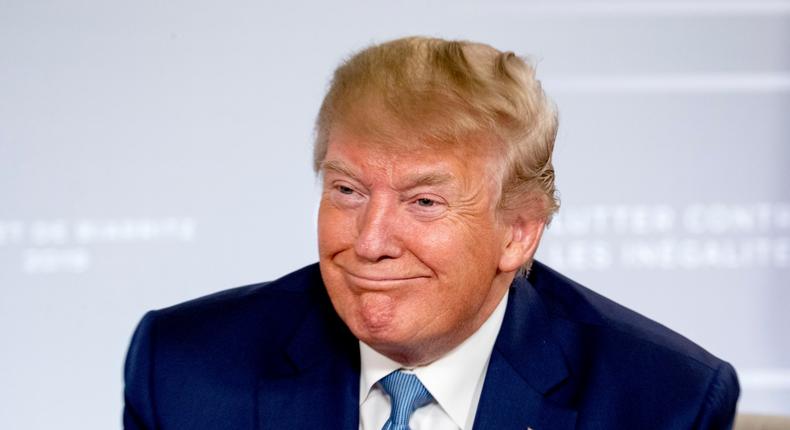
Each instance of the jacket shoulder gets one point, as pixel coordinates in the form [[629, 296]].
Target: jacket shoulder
[[305, 281], [625, 361], [197, 362], [576, 304], [238, 319]]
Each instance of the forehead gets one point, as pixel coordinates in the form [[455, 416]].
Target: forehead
[[394, 144], [408, 160]]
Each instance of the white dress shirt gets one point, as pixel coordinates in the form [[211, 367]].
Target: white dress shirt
[[455, 381]]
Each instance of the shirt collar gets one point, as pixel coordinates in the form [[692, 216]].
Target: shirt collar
[[453, 380]]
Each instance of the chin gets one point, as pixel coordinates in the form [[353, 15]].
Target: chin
[[382, 332]]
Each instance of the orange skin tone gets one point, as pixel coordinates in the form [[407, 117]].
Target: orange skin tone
[[413, 251]]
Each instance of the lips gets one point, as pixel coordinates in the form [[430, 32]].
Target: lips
[[381, 276], [378, 277], [379, 281]]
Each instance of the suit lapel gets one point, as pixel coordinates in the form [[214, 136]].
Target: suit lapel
[[320, 388], [525, 366]]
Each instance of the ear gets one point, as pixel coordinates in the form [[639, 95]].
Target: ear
[[522, 241]]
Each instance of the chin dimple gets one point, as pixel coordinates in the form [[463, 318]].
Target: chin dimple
[[376, 310]]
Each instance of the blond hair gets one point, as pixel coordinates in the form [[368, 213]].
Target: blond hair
[[442, 91]]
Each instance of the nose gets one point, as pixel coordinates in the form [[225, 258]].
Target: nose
[[377, 237]]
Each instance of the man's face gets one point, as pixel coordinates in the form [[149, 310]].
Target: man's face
[[410, 244]]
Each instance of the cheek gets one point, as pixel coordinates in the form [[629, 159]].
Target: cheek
[[339, 292], [335, 229], [455, 248], [430, 241]]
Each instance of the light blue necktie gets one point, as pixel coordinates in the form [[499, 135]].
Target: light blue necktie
[[407, 394]]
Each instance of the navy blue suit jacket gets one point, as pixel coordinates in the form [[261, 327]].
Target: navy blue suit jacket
[[276, 356]]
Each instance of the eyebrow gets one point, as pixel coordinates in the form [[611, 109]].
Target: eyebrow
[[411, 181], [429, 178], [339, 167]]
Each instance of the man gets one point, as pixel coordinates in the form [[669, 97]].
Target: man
[[426, 310]]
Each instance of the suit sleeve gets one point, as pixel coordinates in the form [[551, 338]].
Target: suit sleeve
[[138, 412], [718, 410]]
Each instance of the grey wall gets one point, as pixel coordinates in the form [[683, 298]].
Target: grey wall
[[152, 152]]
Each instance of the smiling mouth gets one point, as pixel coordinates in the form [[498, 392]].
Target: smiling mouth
[[380, 280]]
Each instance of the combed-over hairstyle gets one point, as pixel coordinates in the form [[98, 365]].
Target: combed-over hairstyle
[[449, 92]]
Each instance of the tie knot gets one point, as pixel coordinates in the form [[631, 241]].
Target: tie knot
[[407, 394]]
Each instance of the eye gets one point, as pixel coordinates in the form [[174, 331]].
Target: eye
[[428, 207], [345, 195], [426, 202], [345, 190]]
